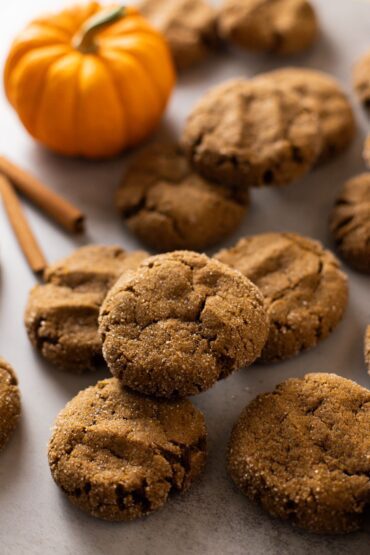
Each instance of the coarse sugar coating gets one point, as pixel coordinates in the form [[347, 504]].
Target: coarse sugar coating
[[118, 455], [304, 289], [303, 452], [10, 402], [61, 316], [180, 323]]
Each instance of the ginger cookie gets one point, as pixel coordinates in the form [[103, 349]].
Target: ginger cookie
[[303, 452], [168, 206], [189, 27], [253, 133], [118, 455], [278, 26], [361, 79], [10, 402], [367, 347], [180, 323], [336, 116], [304, 289], [350, 222], [61, 316]]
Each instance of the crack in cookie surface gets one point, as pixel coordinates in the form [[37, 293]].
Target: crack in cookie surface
[[227, 139], [180, 323], [304, 289], [303, 452], [279, 26], [168, 206], [350, 222], [118, 455], [336, 116], [61, 316]]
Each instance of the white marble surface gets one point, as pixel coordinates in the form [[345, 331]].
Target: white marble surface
[[213, 518]]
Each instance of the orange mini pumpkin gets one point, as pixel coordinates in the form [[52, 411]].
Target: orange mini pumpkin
[[89, 81]]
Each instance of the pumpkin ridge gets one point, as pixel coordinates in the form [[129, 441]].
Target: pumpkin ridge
[[81, 131], [109, 54], [145, 70], [31, 125], [120, 97], [140, 57], [68, 115]]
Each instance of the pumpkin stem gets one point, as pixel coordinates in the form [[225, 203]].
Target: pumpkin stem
[[84, 41]]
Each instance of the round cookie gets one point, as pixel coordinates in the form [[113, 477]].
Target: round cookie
[[180, 323], [303, 452], [189, 27], [304, 290], [336, 116], [367, 347], [253, 133], [10, 402], [61, 316], [168, 206], [117, 455], [361, 79], [350, 222], [278, 26]]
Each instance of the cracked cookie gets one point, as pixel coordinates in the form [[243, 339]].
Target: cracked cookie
[[180, 323], [10, 402], [118, 455], [168, 206], [350, 223], [304, 290], [61, 316], [278, 26], [253, 133], [303, 452], [336, 116], [367, 347], [361, 79], [189, 27]]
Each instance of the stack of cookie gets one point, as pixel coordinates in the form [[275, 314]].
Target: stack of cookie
[[170, 327]]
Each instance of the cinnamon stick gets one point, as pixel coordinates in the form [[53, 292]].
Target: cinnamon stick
[[59, 210], [18, 221]]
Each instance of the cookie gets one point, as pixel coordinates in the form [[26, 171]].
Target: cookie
[[304, 290], [350, 222], [361, 79], [278, 26], [180, 323], [189, 27], [303, 452], [367, 347], [336, 116], [10, 402], [117, 455], [61, 316], [169, 207], [253, 133]]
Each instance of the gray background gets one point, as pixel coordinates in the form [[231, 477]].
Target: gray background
[[213, 517]]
